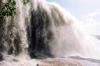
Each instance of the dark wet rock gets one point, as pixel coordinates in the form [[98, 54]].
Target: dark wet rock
[[1, 57]]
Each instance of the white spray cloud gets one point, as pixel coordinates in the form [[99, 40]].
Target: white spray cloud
[[90, 22]]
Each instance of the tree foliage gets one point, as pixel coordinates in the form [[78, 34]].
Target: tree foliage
[[7, 9]]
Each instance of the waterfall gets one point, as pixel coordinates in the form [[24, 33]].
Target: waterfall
[[41, 29], [14, 36]]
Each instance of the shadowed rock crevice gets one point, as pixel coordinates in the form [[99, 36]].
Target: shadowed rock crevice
[[40, 35]]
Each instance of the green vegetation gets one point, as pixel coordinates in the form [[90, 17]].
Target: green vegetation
[[25, 1], [7, 9]]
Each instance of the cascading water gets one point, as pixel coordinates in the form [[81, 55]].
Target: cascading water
[[42, 29], [14, 34]]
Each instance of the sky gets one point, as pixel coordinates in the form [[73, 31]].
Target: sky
[[87, 11]]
